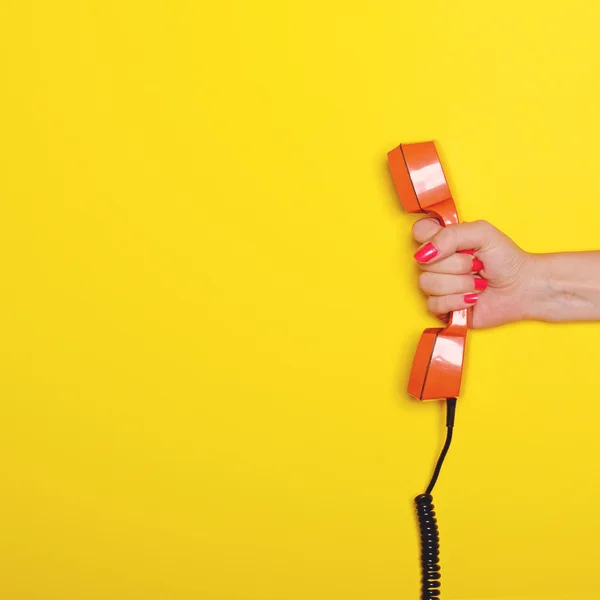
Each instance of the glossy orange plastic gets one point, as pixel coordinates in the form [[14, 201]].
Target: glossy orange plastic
[[422, 187]]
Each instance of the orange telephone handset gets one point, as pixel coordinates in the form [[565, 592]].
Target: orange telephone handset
[[422, 187]]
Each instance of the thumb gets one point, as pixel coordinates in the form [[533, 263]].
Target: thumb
[[475, 236]]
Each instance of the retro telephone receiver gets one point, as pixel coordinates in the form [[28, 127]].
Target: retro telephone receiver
[[437, 367]]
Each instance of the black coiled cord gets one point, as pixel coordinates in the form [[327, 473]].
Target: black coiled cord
[[430, 548], [430, 537]]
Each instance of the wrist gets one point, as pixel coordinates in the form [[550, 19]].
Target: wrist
[[539, 295], [556, 289]]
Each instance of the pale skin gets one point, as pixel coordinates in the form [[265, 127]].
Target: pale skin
[[508, 284]]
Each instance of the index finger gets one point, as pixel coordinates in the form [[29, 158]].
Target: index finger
[[424, 229]]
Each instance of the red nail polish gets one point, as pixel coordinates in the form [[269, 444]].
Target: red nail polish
[[426, 253], [480, 284], [470, 298], [477, 265], [467, 251]]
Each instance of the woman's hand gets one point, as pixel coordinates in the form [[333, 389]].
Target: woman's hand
[[497, 279]]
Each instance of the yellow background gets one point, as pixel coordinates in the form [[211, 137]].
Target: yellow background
[[209, 307]]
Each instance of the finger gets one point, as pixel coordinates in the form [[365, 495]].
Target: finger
[[424, 229], [449, 240], [441, 284], [442, 305], [457, 264]]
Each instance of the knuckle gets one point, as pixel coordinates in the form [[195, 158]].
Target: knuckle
[[486, 232], [466, 263], [446, 240], [425, 281], [437, 305], [484, 225], [417, 227], [432, 305], [464, 283], [424, 228]]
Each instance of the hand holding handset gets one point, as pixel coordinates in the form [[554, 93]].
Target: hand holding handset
[[422, 187]]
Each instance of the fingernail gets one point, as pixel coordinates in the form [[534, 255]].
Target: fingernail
[[426, 253], [467, 251], [477, 265], [480, 284], [470, 298]]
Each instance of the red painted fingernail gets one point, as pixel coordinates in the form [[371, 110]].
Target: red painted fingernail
[[426, 253], [470, 298], [477, 265], [480, 284], [467, 251]]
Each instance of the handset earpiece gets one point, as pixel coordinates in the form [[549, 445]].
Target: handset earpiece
[[422, 187]]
